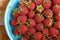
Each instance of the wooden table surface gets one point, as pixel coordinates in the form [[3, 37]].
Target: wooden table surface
[[3, 34]]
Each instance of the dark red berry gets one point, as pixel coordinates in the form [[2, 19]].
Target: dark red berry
[[39, 18], [13, 22], [23, 29], [22, 18], [39, 27], [47, 4], [53, 31]]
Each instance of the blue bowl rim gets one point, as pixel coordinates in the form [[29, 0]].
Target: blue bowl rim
[[5, 22]]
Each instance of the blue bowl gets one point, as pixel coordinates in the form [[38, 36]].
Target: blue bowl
[[8, 16]]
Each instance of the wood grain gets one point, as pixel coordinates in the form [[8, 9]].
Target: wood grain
[[3, 4], [3, 34]]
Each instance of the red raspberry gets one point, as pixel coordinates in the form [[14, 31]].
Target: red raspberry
[[31, 14], [56, 9], [29, 4], [23, 10], [58, 36], [24, 38], [53, 31], [57, 17], [45, 38], [56, 2], [38, 35], [31, 23], [31, 31], [46, 31], [13, 22], [38, 2], [23, 29], [32, 39], [22, 18], [39, 27], [57, 24], [47, 4], [15, 15], [47, 22], [48, 13], [40, 8], [26, 35], [15, 31], [39, 18]]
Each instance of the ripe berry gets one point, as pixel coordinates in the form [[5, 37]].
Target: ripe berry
[[47, 22], [31, 14], [38, 2], [31, 23], [57, 17], [57, 24], [13, 22], [26, 35], [15, 15], [53, 31], [47, 4], [56, 2], [22, 18], [15, 31], [45, 38], [23, 10], [46, 31], [48, 13], [23, 29], [32, 39], [31, 31], [58, 36], [29, 4], [38, 35], [24, 38], [39, 27], [56, 9], [39, 18]]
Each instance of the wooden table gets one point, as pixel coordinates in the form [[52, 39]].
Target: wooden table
[[3, 34]]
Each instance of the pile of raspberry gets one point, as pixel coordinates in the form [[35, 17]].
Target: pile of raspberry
[[37, 20]]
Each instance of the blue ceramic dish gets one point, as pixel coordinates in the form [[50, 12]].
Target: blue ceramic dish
[[8, 16]]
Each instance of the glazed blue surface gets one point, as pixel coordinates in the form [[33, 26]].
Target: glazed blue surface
[[8, 16]]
